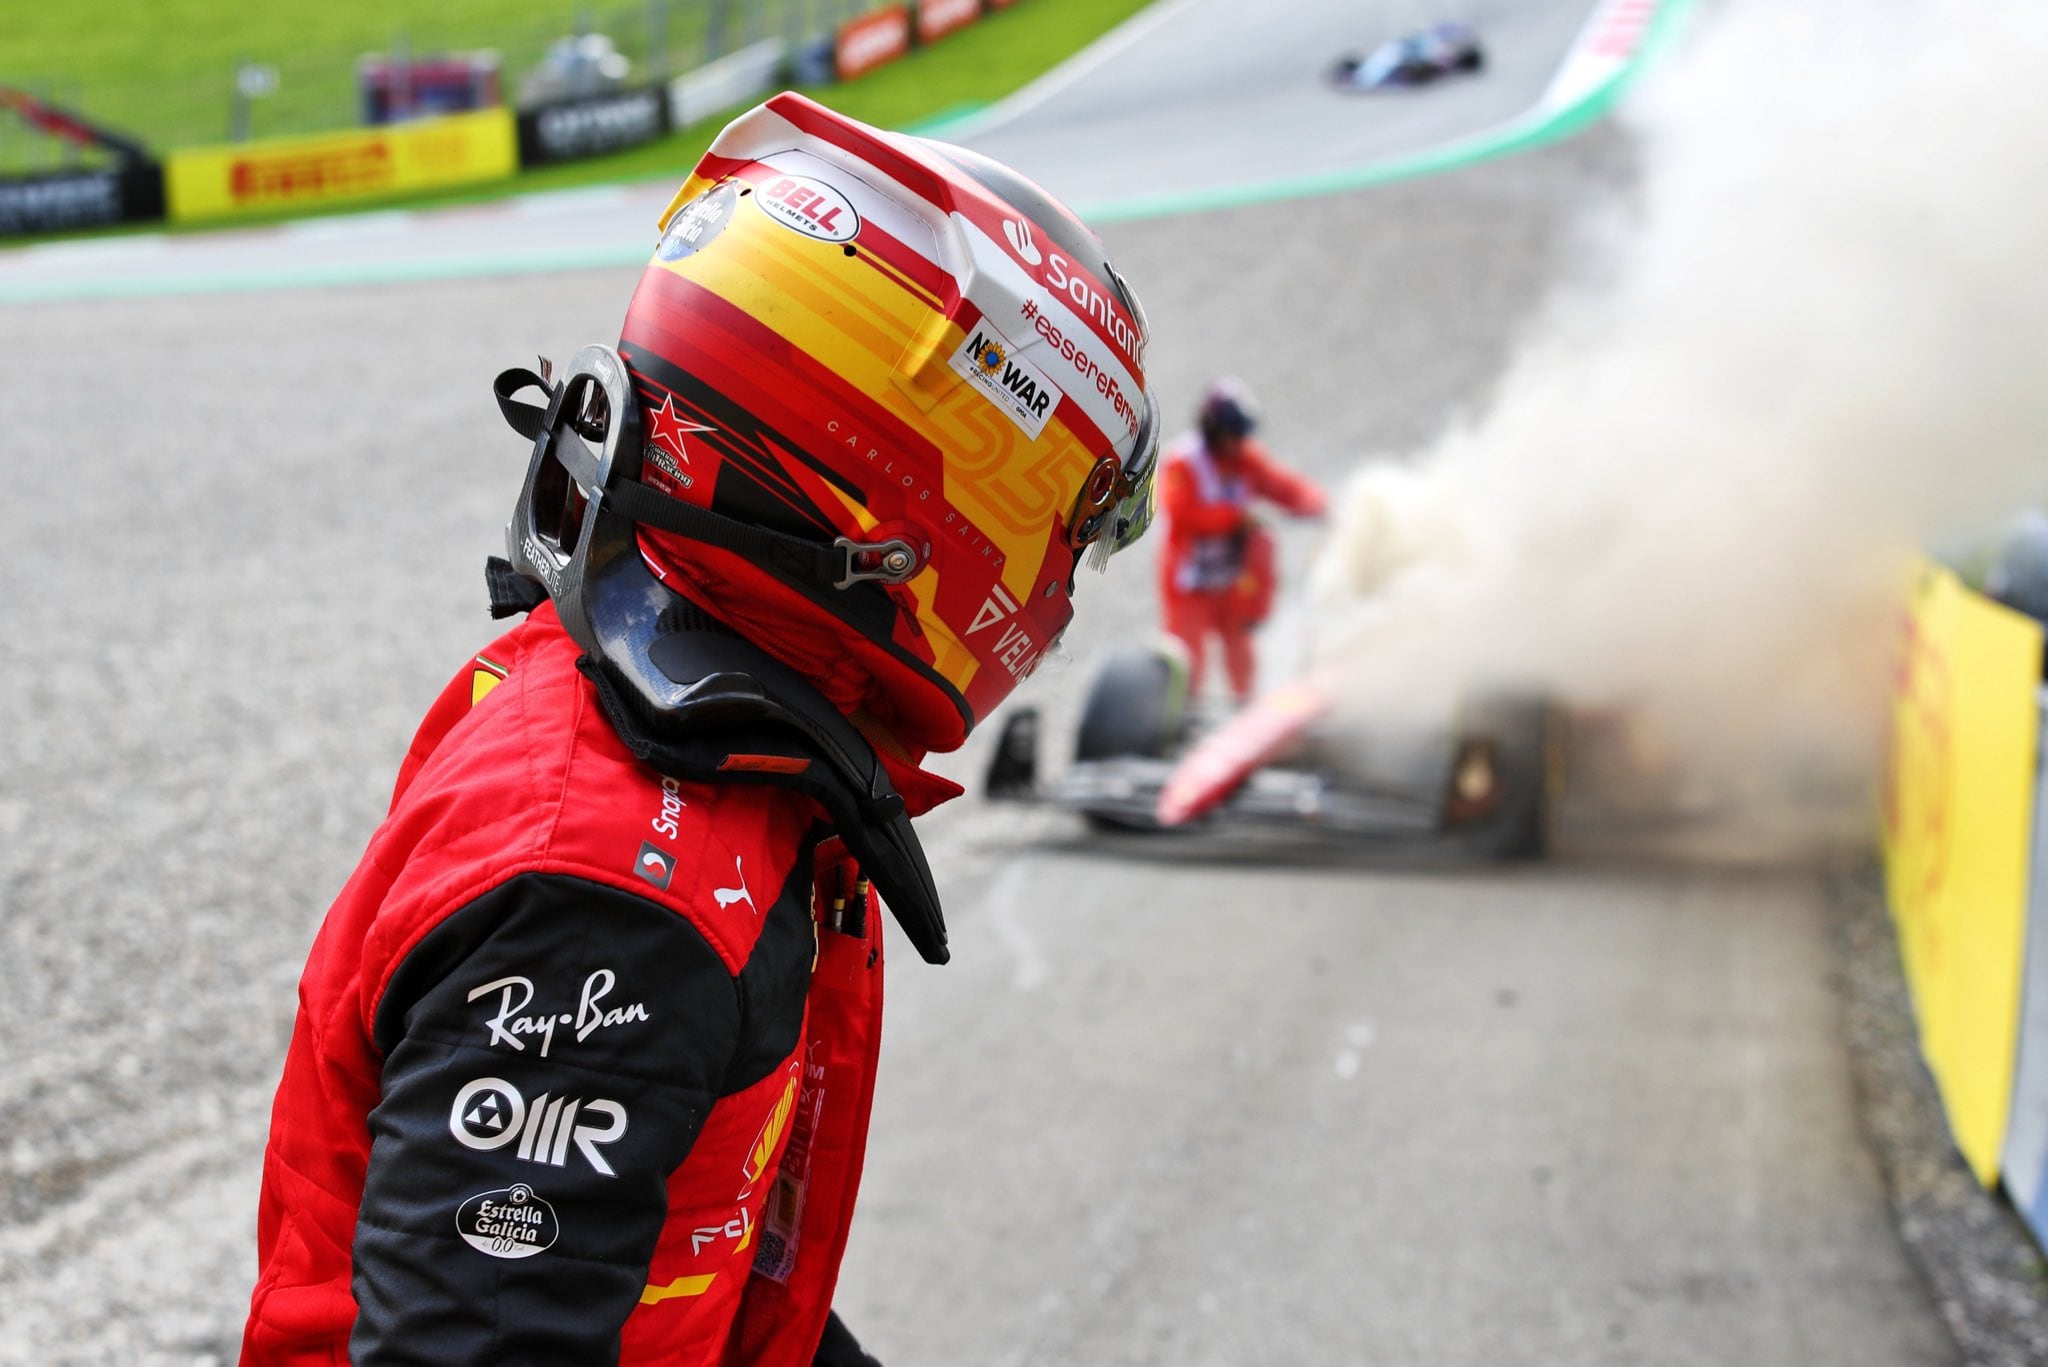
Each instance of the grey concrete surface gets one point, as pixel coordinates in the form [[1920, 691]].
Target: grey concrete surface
[[1156, 1112], [1222, 95]]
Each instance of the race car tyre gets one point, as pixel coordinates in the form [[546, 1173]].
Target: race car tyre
[[1013, 769], [1135, 706], [1528, 758]]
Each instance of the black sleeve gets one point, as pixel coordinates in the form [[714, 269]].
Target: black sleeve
[[839, 1348], [550, 1053]]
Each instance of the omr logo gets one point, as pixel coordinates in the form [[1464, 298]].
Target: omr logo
[[1021, 241], [655, 865], [490, 1113]]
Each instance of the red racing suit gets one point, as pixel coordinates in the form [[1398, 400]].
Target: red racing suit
[[577, 1075], [1217, 576]]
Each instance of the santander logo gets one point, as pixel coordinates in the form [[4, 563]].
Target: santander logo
[[1021, 241]]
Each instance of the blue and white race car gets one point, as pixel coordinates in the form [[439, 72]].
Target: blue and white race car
[[1413, 60]]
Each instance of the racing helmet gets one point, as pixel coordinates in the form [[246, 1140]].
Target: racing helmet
[[888, 394], [1226, 410]]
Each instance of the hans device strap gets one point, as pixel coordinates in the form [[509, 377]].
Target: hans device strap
[[747, 718], [690, 699]]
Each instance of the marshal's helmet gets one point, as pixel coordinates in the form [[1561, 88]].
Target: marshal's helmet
[[897, 393], [1227, 410]]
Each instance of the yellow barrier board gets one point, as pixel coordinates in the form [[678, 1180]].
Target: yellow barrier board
[[1958, 810], [335, 168]]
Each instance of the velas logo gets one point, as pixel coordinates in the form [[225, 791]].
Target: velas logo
[[810, 207], [1023, 391]]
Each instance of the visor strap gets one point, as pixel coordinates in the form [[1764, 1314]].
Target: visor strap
[[821, 563], [523, 418]]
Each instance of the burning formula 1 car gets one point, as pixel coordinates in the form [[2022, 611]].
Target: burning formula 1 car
[[1415, 59], [1480, 781]]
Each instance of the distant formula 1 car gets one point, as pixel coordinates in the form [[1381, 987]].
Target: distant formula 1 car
[[1416, 59], [1482, 782]]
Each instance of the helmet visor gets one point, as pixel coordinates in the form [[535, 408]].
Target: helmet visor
[[1115, 515]]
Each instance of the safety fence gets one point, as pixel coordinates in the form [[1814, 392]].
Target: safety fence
[[439, 121], [1965, 819]]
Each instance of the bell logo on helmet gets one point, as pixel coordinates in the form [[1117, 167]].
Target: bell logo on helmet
[[1021, 241], [810, 207]]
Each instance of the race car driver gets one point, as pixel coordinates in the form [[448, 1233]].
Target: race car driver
[[585, 1047], [1218, 575]]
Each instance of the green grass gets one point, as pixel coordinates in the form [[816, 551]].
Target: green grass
[[161, 70], [134, 65]]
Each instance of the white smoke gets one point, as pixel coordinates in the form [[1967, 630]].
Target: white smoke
[[1823, 345]]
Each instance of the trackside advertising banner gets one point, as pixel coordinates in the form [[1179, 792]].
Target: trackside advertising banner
[[2026, 1141], [591, 126], [872, 40], [65, 200], [335, 168], [937, 18], [1957, 831]]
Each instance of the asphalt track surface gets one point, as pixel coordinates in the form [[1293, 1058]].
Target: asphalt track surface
[[1158, 1110]]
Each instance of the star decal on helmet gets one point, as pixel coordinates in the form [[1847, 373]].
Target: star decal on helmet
[[666, 429]]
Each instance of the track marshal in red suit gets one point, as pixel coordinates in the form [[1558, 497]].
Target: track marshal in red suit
[[1219, 573]]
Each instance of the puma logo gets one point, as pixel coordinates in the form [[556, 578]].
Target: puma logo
[[727, 896]]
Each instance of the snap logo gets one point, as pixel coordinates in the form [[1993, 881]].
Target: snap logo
[[727, 896], [490, 1113], [510, 1222], [1021, 241], [655, 864], [810, 207]]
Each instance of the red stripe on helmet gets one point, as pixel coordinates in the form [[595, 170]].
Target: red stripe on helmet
[[714, 348], [869, 145]]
